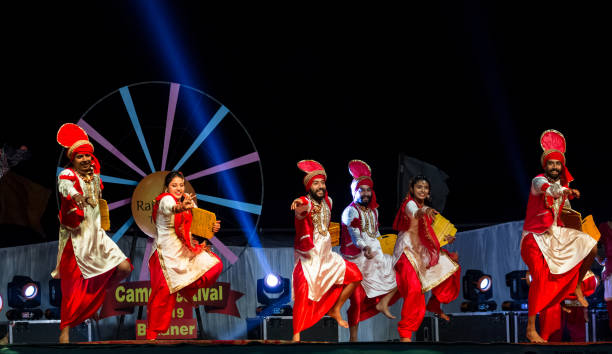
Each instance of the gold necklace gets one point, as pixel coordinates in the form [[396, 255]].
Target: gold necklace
[[368, 219], [320, 216], [92, 189]]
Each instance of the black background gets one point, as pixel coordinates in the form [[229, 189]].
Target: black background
[[466, 86]]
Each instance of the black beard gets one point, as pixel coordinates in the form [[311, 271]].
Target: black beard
[[363, 202], [313, 195], [554, 178]]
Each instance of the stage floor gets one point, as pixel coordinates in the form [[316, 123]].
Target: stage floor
[[277, 346]]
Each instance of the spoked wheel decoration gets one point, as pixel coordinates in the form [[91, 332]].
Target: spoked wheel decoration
[[142, 131]]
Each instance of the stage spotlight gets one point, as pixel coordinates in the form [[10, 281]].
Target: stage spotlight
[[477, 289], [518, 282], [29, 291], [272, 283], [477, 286], [484, 283], [273, 293], [23, 292], [55, 292], [1, 303]]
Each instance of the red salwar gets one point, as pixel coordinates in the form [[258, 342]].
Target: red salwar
[[161, 302], [363, 307], [307, 312], [553, 320], [81, 298], [546, 289], [413, 308]]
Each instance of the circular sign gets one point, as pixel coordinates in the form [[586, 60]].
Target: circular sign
[[143, 200]]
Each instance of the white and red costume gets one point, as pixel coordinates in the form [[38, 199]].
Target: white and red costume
[[420, 266], [553, 253], [86, 257], [176, 265], [319, 274], [360, 230]]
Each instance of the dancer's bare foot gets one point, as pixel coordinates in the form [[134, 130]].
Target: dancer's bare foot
[[384, 309], [405, 339], [534, 337], [64, 335], [444, 317], [335, 314], [296, 337], [580, 296]]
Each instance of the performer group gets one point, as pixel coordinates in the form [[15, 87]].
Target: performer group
[[558, 258]]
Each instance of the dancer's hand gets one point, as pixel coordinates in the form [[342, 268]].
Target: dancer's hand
[[79, 200], [367, 252], [450, 239], [188, 201], [296, 203], [431, 212], [576, 193], [216, 226]]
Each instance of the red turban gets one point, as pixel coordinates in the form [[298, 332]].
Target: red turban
[[362, 175], [74, 138], [553, 144]]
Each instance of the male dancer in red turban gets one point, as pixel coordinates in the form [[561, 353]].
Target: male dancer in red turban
[[322, 280], [88, 261], [360, 245], [557, 256]]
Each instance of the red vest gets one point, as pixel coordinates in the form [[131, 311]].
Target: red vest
[[305, 227], [539, 216], [70, 214]]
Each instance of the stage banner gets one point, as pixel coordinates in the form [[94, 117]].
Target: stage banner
[[180, 328], [122, 299]]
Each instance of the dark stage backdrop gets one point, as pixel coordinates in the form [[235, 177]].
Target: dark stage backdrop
[[466, 87]]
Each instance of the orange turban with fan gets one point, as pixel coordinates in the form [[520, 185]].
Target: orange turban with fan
[[362, 175], [74, 138], [553, 144]]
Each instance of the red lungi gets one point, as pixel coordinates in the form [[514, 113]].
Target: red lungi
[[81, 298], [363, 307], [546, 289], [307, 312], [413, 308], [161, 302]]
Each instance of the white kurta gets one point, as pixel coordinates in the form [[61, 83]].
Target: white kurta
[[378, 273], [322, 267], [94, 251], [408, 243], [179, 264], [563, 248]]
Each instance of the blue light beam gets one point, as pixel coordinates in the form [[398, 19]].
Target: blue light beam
[[129, 106], [107, 179], [234, 204], [214, 121]]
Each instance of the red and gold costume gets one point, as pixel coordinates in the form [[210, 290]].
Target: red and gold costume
[[176, 265], [319, 274], [420, 266], [86, 257], [553, 253], [360, 230]]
